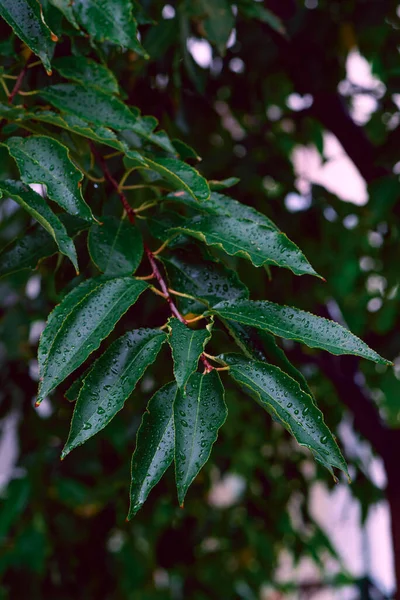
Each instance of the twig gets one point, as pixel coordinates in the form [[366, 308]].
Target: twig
[[151, 257], [19, 81], [129, 210]]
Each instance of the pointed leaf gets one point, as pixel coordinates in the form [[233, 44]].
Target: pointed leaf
[[83, 329], [181, 176], [110, 381], [198, 415], [27, 250], [26, 19], [87, 71], [187, 345], [241, 237], [116, 246], [42, 159], [66, 7], [154, 446], [218, 204], [90, 104], [57, 317], [260, 345], [110, 20], [207, 280], [298, 325], [218, 21], [282, 397], [36, 206]]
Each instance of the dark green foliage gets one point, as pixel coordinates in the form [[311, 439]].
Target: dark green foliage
[[164, 220]]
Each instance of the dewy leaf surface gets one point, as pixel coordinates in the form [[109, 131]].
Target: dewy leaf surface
[[90, 104], [181, 176], [66, 7], [241, 237], [219, 204], [187, 345], [110, 381], [154, 446], [42, 159], [33, 245], [261, 345], [281, 396], [86, 71], [207, 280], [198, 415], [110, 20], [298, 325], [26, 19], [116, 247], [86, 326], [56, 318], [36, 206]]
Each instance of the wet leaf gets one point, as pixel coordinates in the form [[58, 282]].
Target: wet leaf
[[84, 327], [241, 237], [90, 104], [260, 345], [115, 246], [154, 446], [110, 20], [283, 398], [181, 176], [36, 206], [26, 19], [87, 72], [198, 415], [206, 280], [42, 159], [187, 345], [219, 204], [35, 244], [298, 325], [110, 382]]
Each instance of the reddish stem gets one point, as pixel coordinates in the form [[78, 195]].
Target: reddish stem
[[18, 82], [152, 260], [104, 167]]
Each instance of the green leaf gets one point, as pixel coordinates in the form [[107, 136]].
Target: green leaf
[[255, 10], [27, 250], [86, 71], [90, 104], [110, 381], [283, 398], [181, 176], [218, 204], [198, 415], [83, 328], [36, 206], [218, 20], [26, 19], [144, 127], [298, 325], [229, 182], [187, 345], [99, 134], [116, 246], [57, 317], [209, 281], [110, 20], [42, 159], [154, 446], [241, 237], [66, 7], [260, 345]]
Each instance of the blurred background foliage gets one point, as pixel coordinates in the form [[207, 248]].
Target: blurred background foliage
[[247, 84]]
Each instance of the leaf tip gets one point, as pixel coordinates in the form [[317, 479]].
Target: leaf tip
[[38, 402]]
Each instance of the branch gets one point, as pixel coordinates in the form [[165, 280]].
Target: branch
[[151, 257]]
